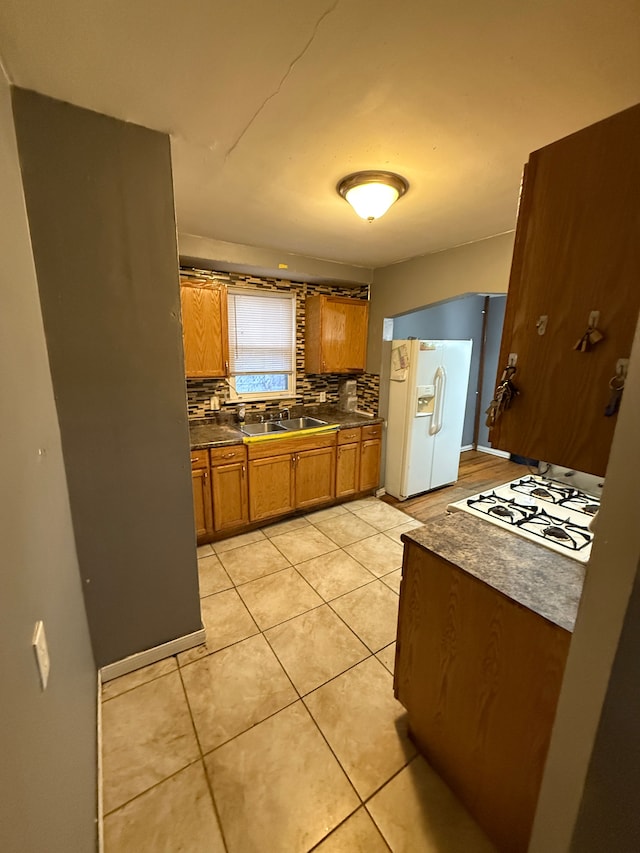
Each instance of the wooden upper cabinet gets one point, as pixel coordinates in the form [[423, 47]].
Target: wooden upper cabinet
[[335, 334], [576, 251], [204, 329]]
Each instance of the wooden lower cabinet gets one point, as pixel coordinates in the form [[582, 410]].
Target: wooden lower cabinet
[[239, 485], [347, 470], [271, 491], [229, 484], [480, 677], [370, 457], [301, 475], [201, 485], [314, 476], [348, 462]]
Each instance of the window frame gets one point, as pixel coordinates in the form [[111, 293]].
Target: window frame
[[264, 396]]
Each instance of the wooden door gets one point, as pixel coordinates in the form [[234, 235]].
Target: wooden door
[[204, 329], [271, 486], [576, 251], [347, 469], [230, 496], [314, 476], [370, 464], [202, 502]]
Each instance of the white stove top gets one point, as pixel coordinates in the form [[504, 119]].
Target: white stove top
[[539, 509]]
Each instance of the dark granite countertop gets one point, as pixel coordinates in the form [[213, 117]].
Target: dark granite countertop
[[536, 577], [220, 430]]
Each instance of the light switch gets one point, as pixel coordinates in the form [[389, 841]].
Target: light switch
[[39, 643]]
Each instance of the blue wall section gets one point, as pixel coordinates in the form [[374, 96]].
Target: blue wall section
[[495, 322], [454, 320], [462, 319]]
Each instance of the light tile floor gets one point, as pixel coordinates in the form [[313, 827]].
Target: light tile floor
[[281, 734]]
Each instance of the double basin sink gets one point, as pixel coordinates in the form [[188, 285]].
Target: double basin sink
[[288, 425]]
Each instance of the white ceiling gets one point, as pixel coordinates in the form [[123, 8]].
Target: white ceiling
[[270, 102]]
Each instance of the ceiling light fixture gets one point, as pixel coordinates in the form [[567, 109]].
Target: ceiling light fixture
[[371, 194]]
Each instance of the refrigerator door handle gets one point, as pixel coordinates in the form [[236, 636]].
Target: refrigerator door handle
[[440, 381]]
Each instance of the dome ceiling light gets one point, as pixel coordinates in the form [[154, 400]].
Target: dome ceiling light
[[371, 194]]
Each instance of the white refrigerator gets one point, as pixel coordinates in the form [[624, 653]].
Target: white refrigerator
[[428, 383]]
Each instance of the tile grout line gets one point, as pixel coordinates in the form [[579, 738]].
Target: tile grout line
[[204, 767], [152, 787], [142, 683]]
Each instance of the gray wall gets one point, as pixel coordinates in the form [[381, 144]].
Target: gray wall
[[100, 206], [597, 728], [481, 267], [493, 339], [609, 817], [48, 798], [454, 320]]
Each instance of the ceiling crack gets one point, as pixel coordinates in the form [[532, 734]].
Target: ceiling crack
[[292, 65]]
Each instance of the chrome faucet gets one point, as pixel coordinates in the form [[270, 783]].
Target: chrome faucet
[[282, 413]]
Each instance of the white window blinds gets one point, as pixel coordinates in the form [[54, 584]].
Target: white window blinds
[[261, 333]]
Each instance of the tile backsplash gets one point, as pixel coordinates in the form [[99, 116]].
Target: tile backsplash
[[308, 386]]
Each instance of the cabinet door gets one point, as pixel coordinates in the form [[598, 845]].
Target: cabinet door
[[335, 334], [347, 469], [204, 330], [576, 251], [271, 486], [315, 476], [202, 502], [370, 464], [230, 498]]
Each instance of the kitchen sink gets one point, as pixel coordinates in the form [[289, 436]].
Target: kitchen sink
[[262, 429], [302, 423]]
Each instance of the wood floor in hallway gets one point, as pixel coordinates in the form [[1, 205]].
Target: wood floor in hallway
[[479, 472]]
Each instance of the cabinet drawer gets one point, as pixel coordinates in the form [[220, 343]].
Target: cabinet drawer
[[349, 436], [230, 453], [200, 458], [279, 446], [373, 431]]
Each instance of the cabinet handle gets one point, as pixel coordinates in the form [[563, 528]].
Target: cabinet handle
[[206, 474], [226, 367], [243, 471], [228, 455]]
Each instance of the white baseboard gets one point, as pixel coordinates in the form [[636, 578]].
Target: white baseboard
[[467, 447], [99, 762], [502, 453], [140, 659]]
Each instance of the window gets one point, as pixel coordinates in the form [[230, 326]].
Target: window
[[262, 344]]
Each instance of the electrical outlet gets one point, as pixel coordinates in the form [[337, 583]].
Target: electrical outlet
[[323, 396], [215, 404], [39, 643]]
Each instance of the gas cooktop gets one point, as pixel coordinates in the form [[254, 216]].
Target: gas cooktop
[[539, 509]]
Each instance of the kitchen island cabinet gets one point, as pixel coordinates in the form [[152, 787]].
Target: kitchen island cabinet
[[484, 627], [204, 329], [335, 334], [576, 252]]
